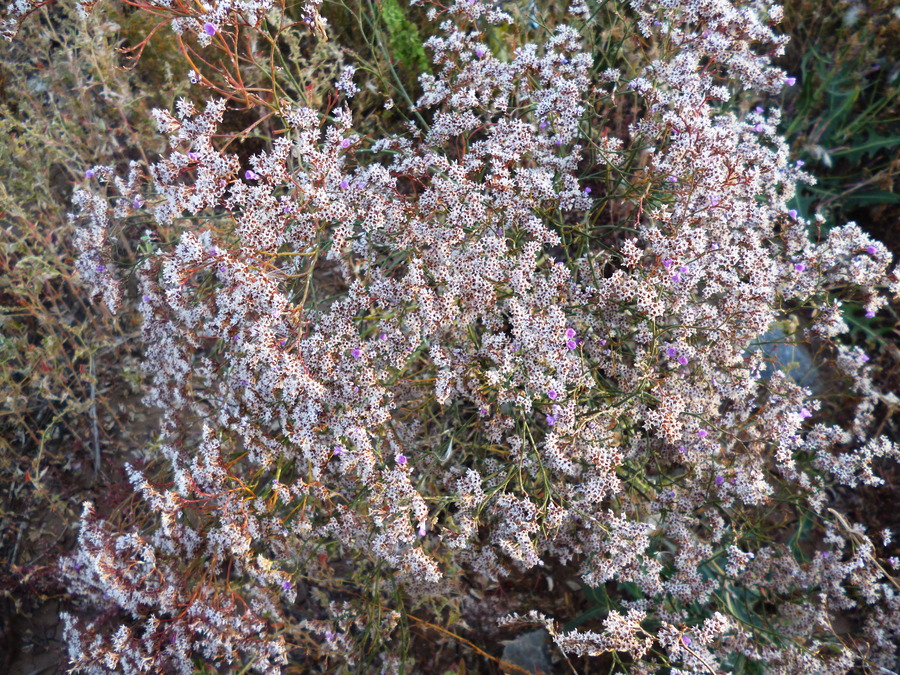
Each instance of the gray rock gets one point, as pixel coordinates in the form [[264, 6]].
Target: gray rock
[[529, 651], [793, 359]]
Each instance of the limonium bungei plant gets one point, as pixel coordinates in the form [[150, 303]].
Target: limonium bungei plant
[[394, 369]]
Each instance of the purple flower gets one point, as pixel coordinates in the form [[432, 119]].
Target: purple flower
[[676, 278], [286, 585], [682, 449], [790, 81], [344, 184], [759, 128], [356, 353], [209, 29], [479, 52], [672, 179], [422, 531], [759, 109], [671, 352], [793, 213], [482, 412], [401, 459], [703, 433], [146, 298], [345, 143], [571, 344], [714, 246], [686, 640], [329, 636], [667, 263], [683, 360], [805, 413], [570, 333], [543, 125], [89, 174], [137, 203], [250, 174], [800, 163], [602, 343], [551, 420], [869, 314], [871, 250], [338, 450], [799, 267], [683, 269], [587, 190], [713, 200], [383, 336], [193, 156], [719, 480], [101, 267], [552, 394], [864, 358]]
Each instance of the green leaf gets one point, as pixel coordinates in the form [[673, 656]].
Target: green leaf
[[868, 147]]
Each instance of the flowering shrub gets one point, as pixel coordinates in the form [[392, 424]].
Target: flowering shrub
[[393, 369]]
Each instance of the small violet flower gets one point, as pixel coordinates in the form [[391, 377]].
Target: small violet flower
[[356, 353], [401, 459], [250, 174], [209, 29], [703, 433]]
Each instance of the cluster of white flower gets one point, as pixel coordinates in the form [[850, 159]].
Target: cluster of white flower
[[609, 409]]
